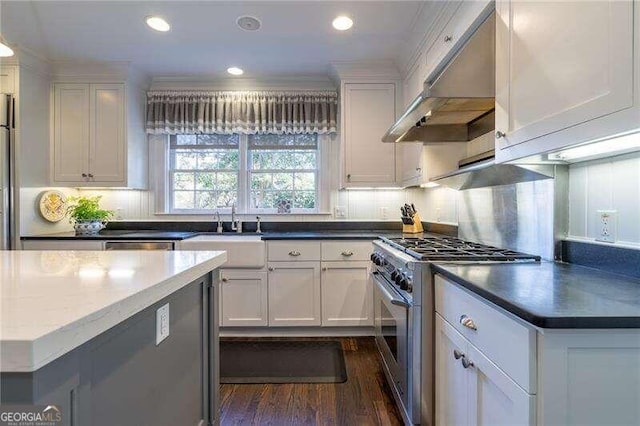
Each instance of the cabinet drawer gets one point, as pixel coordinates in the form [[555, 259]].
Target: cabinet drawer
[[508, 343], [346, 250], [293, 251]]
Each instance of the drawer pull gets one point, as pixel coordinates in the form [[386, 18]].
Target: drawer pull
[[457, 354], [347, 253], [271, 268], [447, 38], [466, 363], [294, 253], [225, 279], [468, 322]]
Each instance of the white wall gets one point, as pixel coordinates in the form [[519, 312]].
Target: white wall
[[609, 184], [434, 205]]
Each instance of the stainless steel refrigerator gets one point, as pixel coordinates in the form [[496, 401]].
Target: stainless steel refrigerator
[[7, 173]]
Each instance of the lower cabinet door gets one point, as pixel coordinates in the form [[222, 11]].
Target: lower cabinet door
[[495, 399], [294, 293], [452, 379], [243, 298], [347, 296]]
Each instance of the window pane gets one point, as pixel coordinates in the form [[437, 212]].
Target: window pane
[[183, 181], [220, 140], [282, 181], [261, 181], [227, 198], [305, 181], [283, 141], [306, 160], [305, 200], [186, 139], [227, 181], [205, 200], [206, 181], [184, 160], [183, 200]]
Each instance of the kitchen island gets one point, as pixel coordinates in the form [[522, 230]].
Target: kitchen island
[[84, 331]]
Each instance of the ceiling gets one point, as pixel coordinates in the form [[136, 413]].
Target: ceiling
[[296, 37]]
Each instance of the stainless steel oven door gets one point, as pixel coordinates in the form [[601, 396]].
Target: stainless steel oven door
[[391, 313]]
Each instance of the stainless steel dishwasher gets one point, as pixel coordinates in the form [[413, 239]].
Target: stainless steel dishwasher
[[140, 245]]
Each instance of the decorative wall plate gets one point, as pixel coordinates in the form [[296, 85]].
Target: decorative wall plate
[[52, 205]]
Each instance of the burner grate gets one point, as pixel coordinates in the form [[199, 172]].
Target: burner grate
[[452, 249]]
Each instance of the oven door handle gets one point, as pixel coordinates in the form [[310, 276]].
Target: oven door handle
[[388, 295]]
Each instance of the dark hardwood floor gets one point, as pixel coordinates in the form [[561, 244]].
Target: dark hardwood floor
[[364, 399]]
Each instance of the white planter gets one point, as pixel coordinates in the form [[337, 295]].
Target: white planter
[[89, 227]]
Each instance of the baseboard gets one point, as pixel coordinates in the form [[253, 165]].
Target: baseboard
[[295, 331]]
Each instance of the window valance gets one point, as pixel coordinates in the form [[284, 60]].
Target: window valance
[[226, 112]]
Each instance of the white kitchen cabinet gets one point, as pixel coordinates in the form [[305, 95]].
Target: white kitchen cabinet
[[569, 376], [452, 380], [243, 298], [422, 162], [472, 390], [368, 110], [347, 293], [564, 74], [8, 79], [294, 294], [93, 144]]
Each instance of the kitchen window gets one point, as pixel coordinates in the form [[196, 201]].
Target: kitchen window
[[258, 173]]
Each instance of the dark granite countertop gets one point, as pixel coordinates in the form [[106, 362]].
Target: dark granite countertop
[[141, 235], [553, 294], [174, 235]]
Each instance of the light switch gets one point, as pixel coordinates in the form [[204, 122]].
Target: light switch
[[162, 323]]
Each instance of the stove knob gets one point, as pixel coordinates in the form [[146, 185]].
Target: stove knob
[[404, 283], [398, 278], [373, 256], [394, 275]]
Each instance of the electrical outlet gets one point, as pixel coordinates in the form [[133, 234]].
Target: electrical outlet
[[384, 213], [339, 212], [162, 323], [119, 213], [607, 225], [438, 214]]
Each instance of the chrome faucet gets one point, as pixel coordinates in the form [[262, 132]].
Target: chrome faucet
[[219, 230], [258, 230], [236, 225]]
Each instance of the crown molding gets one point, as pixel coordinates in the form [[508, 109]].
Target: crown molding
[[364, 70], [28, 59], [99, 71]]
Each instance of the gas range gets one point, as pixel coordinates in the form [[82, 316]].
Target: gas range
[[404, 313]]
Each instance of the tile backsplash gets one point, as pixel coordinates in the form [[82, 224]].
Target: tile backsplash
[[609, 184]]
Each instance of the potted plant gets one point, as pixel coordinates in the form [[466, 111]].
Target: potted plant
[[86, 215]]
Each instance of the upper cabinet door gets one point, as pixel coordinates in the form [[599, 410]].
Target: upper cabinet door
[[559, 64], [71, 132], [107, 146], [369, 111]]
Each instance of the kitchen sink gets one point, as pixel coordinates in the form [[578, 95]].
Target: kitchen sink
[[243, 251]]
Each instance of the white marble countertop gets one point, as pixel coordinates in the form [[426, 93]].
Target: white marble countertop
[[54, 301]]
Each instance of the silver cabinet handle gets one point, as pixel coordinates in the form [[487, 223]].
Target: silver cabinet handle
[[348, 177], [457, 354], [224, 279], [468, 322], [84, 175], [499, 134], [347, 253], [418, 169], [466, 363], [271, 268], [324, 268], [294, 253], [448, 38]]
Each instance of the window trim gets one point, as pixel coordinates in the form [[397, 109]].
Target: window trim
[[159, 146]]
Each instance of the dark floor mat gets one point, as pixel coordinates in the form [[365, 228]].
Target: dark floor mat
[[282, 361]]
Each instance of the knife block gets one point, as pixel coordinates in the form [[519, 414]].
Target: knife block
[[416, 228]]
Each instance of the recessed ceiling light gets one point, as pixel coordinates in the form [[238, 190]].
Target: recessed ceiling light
[[235, 71], [157, 23], [249, 23], [342, 23], [5, 50]]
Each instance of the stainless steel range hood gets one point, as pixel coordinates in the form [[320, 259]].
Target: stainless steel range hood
[[482, 172], [458, 104]]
